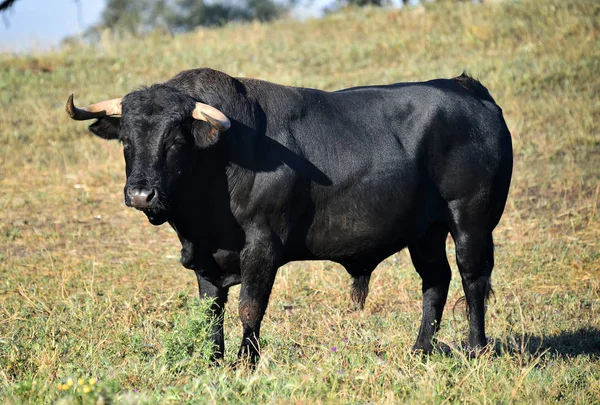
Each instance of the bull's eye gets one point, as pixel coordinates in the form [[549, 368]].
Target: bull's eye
[[177, 143]]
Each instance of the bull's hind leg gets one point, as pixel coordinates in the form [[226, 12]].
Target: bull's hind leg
[[428, 255], [475, 260]]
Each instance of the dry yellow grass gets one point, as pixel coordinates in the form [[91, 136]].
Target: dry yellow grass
[[89, 289]]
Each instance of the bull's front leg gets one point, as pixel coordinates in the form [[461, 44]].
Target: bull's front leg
[[259, 263], [219, 296]]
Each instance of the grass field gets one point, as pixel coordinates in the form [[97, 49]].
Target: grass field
[[95, 308]]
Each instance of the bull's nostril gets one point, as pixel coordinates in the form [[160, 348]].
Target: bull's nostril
[[151, 195]]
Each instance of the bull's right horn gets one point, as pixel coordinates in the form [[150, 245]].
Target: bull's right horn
[[96, 110], [210, 114]]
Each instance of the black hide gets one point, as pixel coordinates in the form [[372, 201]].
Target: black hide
[[351, 176]]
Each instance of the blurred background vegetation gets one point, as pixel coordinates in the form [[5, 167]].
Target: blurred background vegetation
[[142, 16], [135, 17]]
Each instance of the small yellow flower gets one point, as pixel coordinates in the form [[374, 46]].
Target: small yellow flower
[[92, 381], [70, 383], [86, 389], [59, 386], [81, 381]]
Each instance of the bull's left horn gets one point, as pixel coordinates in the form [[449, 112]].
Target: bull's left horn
[[96, 110], [214, 117]]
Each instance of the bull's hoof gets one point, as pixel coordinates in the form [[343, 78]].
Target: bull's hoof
[[248, 357], [479, 350], [423, 348], [427, 349], [216, 360], [477, 347], [244, 363]]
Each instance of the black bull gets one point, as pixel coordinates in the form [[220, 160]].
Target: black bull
[[288, 174]]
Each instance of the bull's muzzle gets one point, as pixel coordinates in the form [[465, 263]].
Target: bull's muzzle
[[142, 198]]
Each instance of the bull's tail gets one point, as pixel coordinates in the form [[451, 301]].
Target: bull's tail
[[489, 292]]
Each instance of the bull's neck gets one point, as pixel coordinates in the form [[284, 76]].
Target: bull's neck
[[194, 206]]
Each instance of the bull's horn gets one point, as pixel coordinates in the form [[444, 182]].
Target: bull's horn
[[214, 117], [96, 110]]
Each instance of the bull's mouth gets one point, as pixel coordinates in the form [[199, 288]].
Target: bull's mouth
[[155, 217], [156, 213]]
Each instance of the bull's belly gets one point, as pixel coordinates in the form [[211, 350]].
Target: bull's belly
[[376, 216], [346, 241], [357, 235]]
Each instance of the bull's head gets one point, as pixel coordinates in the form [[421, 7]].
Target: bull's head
[[161, 130]]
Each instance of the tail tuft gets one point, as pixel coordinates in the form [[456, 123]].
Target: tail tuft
[[489, 291], [360, 290]]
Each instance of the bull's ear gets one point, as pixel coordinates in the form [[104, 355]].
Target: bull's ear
[[204, 133], [208, 124], [106, 127]]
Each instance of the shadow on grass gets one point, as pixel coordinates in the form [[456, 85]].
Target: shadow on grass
[[583, 341]]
